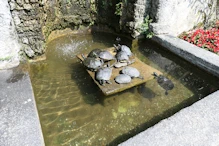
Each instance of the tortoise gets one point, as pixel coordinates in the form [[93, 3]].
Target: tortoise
[[106, 55], [123, 79], [103, 75], [164, 82], [122, 64], [126, 49], [122, 56], [94, 53], [92, 63], [123, 48], [132, 72]]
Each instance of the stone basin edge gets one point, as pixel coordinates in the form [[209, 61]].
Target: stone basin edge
[[202, 58], [178, 129]]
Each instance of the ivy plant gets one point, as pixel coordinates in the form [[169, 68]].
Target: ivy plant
[[144, 27], [119, 9]]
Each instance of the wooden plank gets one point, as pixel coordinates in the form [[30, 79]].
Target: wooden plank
[[109, 89]]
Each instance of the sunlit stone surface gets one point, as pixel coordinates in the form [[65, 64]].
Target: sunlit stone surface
[[8, 39], [174, 17], [19, 124]]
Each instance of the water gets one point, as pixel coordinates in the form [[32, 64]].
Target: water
[[73, 111]]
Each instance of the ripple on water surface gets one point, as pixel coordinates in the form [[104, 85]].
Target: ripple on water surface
[[73, 111]]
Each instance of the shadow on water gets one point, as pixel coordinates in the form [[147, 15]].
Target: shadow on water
[[145, 92], [90, 92]]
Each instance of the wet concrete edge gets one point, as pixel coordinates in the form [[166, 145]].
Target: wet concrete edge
[[196, 124], [195, 55], [19, 124]]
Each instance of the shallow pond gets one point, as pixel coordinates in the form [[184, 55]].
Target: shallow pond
[[73, 111]]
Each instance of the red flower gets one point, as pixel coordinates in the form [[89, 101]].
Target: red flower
[[207, 39]]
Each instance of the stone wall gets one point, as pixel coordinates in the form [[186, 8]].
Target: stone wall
[[133, 15], [62, 14], [26, 15], [174, 17], [169, 17], [9, 46], [36, 19]]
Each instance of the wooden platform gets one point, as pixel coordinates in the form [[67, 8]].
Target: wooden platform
[[144, 69]]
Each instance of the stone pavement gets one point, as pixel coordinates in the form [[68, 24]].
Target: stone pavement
[[19, 121]]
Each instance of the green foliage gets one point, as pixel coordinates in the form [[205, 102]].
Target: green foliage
[[93, 9], [104, 4], [144, 28], [119, 9]]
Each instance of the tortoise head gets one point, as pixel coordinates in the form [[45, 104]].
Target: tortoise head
[[82, 55], [155, 74]]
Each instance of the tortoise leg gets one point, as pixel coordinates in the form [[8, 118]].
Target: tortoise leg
[[130, 61], [101, 82], [166, 93]]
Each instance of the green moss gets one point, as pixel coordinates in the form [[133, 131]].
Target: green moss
[[6, 58]]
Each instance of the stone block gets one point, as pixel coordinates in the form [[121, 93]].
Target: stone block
[[25, 40], [27, 6], [20, 2], [160, 29], [33, 1], [17, 20], [29, 52], [12, 5]]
